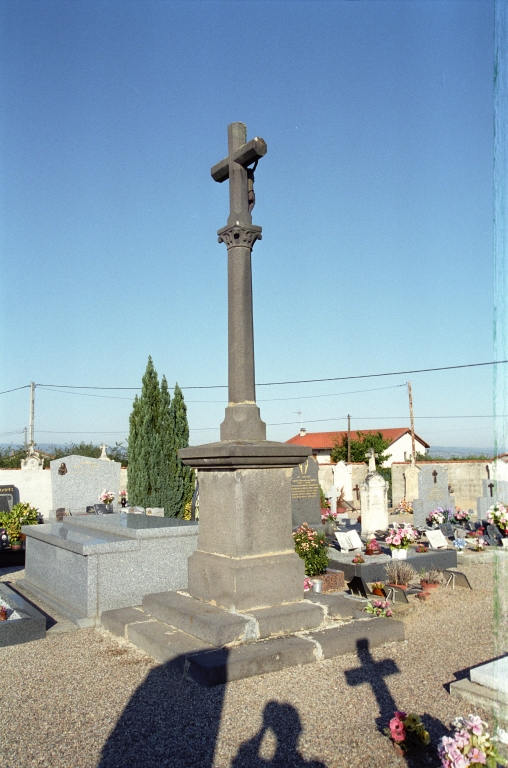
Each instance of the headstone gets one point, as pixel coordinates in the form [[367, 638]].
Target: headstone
[[493, 491], [9, 495], [305, 496], [342, 479], [83, 481], [374, 499], [432, 493], [436, 539], [411, 475], [358, 587]]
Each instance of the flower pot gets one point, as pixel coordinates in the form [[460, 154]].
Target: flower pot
[[400, 586], [399, 554], [378, 591], [3, 614], [427, 586], [16, 545], [318, 586]]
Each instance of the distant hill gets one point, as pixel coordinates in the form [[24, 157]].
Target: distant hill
[[449, 452]]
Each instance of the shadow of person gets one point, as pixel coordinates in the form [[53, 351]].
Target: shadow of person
[[169, 722], [284, 722]]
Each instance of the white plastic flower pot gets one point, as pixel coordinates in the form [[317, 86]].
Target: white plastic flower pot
[[399, 554]]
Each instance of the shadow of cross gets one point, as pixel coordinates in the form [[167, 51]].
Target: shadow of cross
[[373, 673]]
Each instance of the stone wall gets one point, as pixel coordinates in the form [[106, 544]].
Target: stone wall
[[358, 475], [464, 479]]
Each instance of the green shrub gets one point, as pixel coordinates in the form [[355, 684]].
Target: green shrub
[[312, 547]]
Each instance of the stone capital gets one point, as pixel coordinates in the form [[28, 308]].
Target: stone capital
[[239, 236]]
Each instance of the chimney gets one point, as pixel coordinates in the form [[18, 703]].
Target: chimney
[[303, 431]]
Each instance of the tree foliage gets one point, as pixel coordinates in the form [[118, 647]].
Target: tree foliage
[[157, 429], [360, 447]]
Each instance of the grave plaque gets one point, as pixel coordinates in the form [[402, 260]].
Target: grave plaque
[[358, 587], [8, 497], [436, 539], [305, 497], [344, 541], [155, 511], [103, 509], [447, 529], [456, 579]]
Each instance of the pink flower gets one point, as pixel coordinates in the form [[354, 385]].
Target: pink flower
[[475, 724], [476, 756], [461, 739], [397, 730]]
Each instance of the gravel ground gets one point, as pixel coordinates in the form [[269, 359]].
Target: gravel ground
[[83, 699]]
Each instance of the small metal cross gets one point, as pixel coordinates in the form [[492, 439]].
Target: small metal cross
[[357, 491], [434, 475], [490, 487]]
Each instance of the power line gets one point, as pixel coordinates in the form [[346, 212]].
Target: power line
[[25, 386], [299, 381]]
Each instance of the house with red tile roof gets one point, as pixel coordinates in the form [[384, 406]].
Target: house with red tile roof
[[322, 443]]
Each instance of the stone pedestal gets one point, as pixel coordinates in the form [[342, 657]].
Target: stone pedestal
[[245, 557], [374, 503]]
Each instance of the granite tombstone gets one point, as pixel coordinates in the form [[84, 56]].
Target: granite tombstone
[[82, 482], [305, 497], [432, 493]]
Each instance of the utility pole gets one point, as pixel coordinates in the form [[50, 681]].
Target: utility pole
[[31, 423], [413, 449], [348, 439]]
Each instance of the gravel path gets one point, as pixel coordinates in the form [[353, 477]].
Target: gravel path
[[82, 699]]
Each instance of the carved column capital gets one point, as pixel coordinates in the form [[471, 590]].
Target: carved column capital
[[239, 236]]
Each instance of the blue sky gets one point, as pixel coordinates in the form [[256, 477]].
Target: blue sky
[[375, 198]]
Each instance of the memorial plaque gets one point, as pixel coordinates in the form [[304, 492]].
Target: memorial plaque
[[155, 511], [447, 529], [8, 494], [103, 509], [436, 539], [456, 579], [344, 541], [356, 542], [305, 496]]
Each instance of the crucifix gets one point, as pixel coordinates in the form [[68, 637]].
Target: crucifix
[[490, 487], [434, 475], [356, 489], [242, 420], [371, 456]]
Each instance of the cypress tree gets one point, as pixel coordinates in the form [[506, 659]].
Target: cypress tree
[[144, 476], [182, 477]]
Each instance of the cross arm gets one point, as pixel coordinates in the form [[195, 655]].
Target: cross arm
[[248, 153]]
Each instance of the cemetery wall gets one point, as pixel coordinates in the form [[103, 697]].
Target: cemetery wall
[[358, 475], [34, 486], [464, 478]]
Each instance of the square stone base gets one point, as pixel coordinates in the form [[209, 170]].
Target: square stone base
[[243, 583]]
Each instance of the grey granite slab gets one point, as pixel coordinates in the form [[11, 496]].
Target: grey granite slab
[[30, 626]]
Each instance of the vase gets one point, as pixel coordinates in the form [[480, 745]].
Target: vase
[[123, 502], [378, 591], [399, 554], [317, 586], [329, 528]]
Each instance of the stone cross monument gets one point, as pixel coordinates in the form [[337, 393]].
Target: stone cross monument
[[242, 419], [245, 556]]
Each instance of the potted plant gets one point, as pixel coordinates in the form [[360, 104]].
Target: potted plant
[[107, 498], [21, 514], [407, 732], [421, 549], [430, 579], [372, 547], [357, 559], [312, 547], [399, 574], [378, 588], [400, 539]]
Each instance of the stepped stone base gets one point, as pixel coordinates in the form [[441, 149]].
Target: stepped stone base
[[214, 646]]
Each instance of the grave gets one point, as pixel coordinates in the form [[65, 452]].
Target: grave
[[343, 480], [432, 493], [86, 565], [305, 496], [374, 567], [25, 624], [245, 579], [411, 475], [493, 491], [487, 687], [374, 499], [78, 481]]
